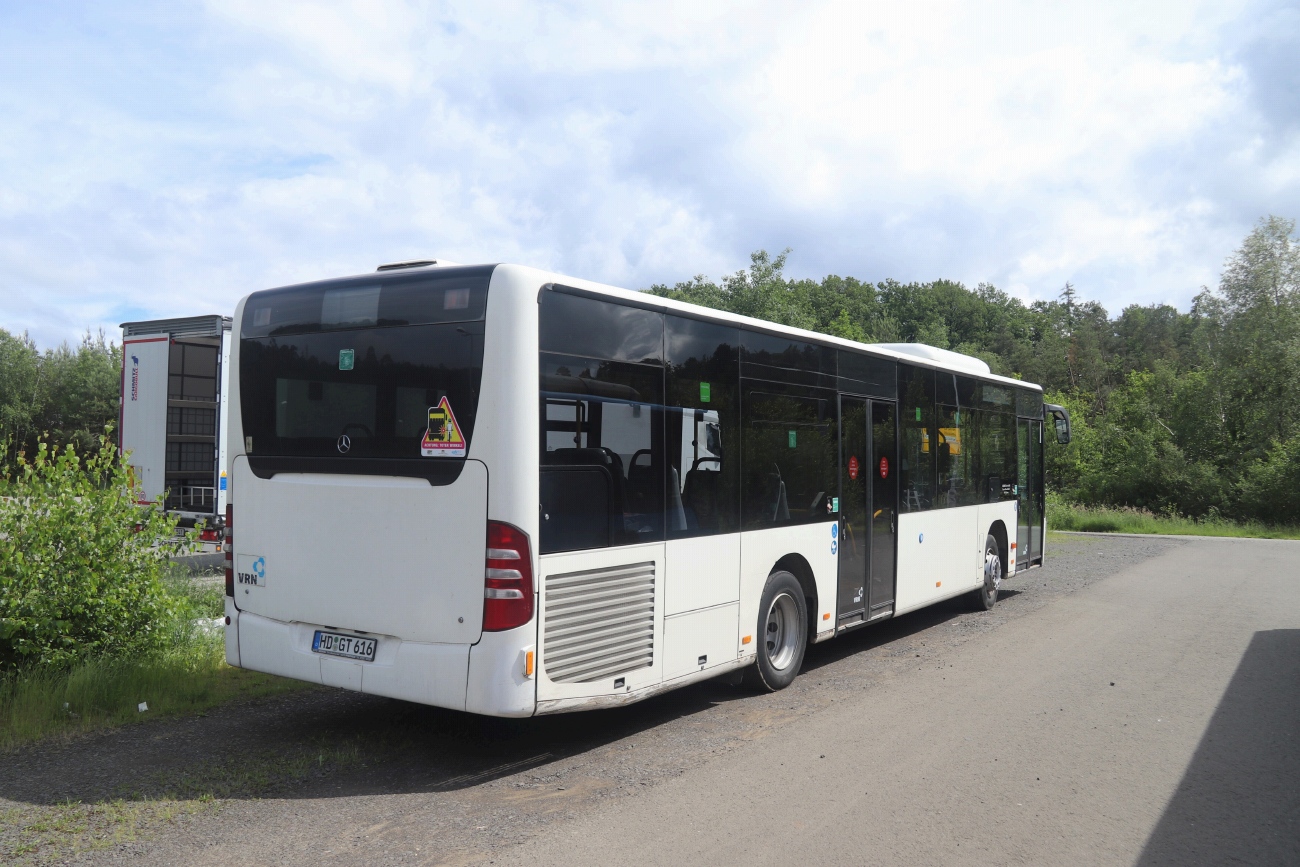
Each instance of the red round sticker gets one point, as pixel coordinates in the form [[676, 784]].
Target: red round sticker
[[853, 468], [884, 467]]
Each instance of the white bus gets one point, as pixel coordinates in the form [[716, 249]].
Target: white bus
[[509, 492]]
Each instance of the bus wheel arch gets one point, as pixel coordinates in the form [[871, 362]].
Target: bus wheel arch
[[797, 566], [998, 531]]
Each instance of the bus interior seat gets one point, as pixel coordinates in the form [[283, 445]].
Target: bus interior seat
[[593, 456], [642, 489], [583, 509], [700, 498], [676, 509], [779, 511]]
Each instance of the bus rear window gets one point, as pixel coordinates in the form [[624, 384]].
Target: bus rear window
[[362, 393]]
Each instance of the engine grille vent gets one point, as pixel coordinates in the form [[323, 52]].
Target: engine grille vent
[[599, 622]]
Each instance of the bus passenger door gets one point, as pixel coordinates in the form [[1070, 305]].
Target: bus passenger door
[[1036, 492], [855, 528], [1029, 521], [883, 504]]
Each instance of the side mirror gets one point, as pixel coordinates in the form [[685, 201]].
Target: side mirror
[[1061, 416]]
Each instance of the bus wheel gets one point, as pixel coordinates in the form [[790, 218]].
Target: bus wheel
[[987, 594], [782, 633]]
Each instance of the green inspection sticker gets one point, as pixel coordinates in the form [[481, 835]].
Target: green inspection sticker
[[704, 392], [347, 358], [918, 413], [792, 439]]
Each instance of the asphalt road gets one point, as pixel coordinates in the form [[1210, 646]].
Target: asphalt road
[[1154, 719], [1136, 701]]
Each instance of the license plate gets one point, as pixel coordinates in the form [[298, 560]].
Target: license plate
[[337, 644]]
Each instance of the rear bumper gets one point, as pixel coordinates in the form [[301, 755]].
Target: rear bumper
[[434, 674]]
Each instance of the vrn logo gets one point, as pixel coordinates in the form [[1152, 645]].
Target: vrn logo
[[252, 570]]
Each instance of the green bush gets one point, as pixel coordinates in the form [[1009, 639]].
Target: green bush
[[1271, 488], [81, 563]]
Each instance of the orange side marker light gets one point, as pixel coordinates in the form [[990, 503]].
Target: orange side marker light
[[826, 616], [938, 583], [528, 664], [747, 639]]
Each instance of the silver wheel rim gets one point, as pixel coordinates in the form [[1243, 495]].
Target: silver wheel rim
[[992, 574], [782, 631]]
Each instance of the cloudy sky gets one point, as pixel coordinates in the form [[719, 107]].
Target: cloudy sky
[[163, 159]]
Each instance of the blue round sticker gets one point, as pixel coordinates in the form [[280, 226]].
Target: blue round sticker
[[920, 538], [835, 530]]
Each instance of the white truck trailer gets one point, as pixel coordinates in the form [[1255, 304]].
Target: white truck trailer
[[175, 378]]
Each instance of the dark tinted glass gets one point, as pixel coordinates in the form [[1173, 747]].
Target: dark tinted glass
[[300, 393], [917, 435], [999, 398], [576, 325], [866, 374], [786, 353], [945, 388], [994, 449], [1029, 403], [703, 439], [450, 295], [790, 459], [968, 390], [955, 459], [602, 453]]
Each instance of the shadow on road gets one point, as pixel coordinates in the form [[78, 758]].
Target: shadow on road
[[327, 743], [1239, 801]]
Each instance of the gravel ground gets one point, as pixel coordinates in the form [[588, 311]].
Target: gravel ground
[[338, 778]]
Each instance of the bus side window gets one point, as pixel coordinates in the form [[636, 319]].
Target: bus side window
[[601, 450], [958, 485], [918, 446], [790, 458], [703, 418], [994, 450]]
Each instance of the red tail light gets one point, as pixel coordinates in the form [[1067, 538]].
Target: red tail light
[[508, 582], [230, 551]]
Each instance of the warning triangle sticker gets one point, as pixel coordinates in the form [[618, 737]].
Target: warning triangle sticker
[[443, 438]]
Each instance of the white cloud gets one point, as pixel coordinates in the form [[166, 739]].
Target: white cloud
[[169, 160]]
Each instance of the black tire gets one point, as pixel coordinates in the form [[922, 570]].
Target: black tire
[[782, 634], [986, 596]]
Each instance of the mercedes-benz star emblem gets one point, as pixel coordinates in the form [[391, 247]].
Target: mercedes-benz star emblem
[[345, 443]]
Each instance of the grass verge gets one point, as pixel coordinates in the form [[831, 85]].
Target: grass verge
[[1067, 516], [99, 694], [189, 676]]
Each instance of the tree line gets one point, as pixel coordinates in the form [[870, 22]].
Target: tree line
[[65, 395], [1193, 413]]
